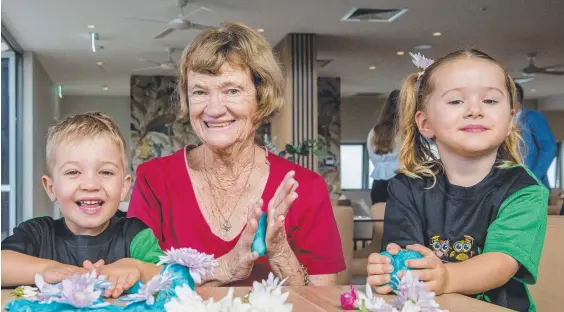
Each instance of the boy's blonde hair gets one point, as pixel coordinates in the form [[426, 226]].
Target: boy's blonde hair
[[82, 126], [238, 45], [416, 158]]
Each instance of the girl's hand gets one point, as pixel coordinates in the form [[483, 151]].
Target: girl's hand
[[379, 269], [431, 269]]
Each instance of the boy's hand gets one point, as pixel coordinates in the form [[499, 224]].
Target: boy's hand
[[55, 272], [123, 274], [379, 269], [431, 269]]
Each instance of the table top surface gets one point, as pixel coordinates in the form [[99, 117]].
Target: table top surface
[[327, 298]]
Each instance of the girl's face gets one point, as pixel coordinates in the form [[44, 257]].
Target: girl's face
[[468, 113]]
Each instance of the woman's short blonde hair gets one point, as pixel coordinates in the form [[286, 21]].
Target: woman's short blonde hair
[[238, 45]]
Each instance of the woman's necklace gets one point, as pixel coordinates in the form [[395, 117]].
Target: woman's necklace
[[226, 224]]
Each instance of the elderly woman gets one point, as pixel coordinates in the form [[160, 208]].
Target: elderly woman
[[210, 197]]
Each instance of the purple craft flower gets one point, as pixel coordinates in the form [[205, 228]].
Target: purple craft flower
[[413, 293], [421, 61], [199, 264], [79, 291], [148, 291]]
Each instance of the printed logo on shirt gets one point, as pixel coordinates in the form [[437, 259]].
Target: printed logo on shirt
[[460, 250], [440, 247]]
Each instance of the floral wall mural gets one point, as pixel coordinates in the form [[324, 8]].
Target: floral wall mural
[[155, 130]]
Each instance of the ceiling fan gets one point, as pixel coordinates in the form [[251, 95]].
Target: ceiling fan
[[532, 70], [168, 65], [180, 22]]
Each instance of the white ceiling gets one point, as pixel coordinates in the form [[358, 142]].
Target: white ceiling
[[508, 29]]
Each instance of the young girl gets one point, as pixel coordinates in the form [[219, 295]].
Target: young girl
[[477, 216], [383, 147]]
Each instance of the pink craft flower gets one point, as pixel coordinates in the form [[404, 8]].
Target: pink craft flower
[[348, 299]]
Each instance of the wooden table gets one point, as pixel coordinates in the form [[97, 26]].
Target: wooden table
[[316, 298]]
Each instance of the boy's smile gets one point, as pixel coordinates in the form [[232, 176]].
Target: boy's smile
[[88, 181]]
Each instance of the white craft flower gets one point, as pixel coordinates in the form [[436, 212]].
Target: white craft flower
[[188, 300], [198, 263], [270, 284], [367, 300], [262, 299], [26, 292]]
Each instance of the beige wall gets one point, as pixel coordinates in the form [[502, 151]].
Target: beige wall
[[117, 107], [556, 121], [358, 116], [40, 106]]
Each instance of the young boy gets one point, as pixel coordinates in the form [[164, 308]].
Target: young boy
[[88, 179]]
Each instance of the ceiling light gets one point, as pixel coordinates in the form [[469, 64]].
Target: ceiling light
[[91, 26], [260, 30], [59, 91], [422, 47], [99, 63], [400, 53], [372, 67], [533, 90], [93, 38], [437, 34], [105, 88]]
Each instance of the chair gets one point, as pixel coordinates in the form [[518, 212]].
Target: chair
[[360, 257], [547, 292], [555, 201], [344, 217]]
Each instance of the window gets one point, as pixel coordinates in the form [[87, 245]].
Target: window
[[8, 141], [355, 167]]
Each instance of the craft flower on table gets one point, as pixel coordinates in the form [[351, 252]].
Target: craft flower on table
[[148, 292], [265, 296], [81, 291], [25, 292], [412, 296], [199, 264]]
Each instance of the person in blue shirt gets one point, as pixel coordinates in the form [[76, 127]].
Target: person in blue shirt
[[539, 144]]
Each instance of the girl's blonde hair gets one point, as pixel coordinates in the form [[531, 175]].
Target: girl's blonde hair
[[416, 156]]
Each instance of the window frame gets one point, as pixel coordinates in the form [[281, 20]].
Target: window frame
[[365, 165], [15, 86]]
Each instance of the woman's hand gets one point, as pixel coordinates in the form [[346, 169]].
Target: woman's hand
[[432, 270], [239, 262], [277, 208]]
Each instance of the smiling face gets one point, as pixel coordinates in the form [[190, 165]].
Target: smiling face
[[468, 113], [222, 107], [88, 181]]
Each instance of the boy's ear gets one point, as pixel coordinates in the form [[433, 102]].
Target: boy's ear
[[423, 125], [48, 186], [126, 186]]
